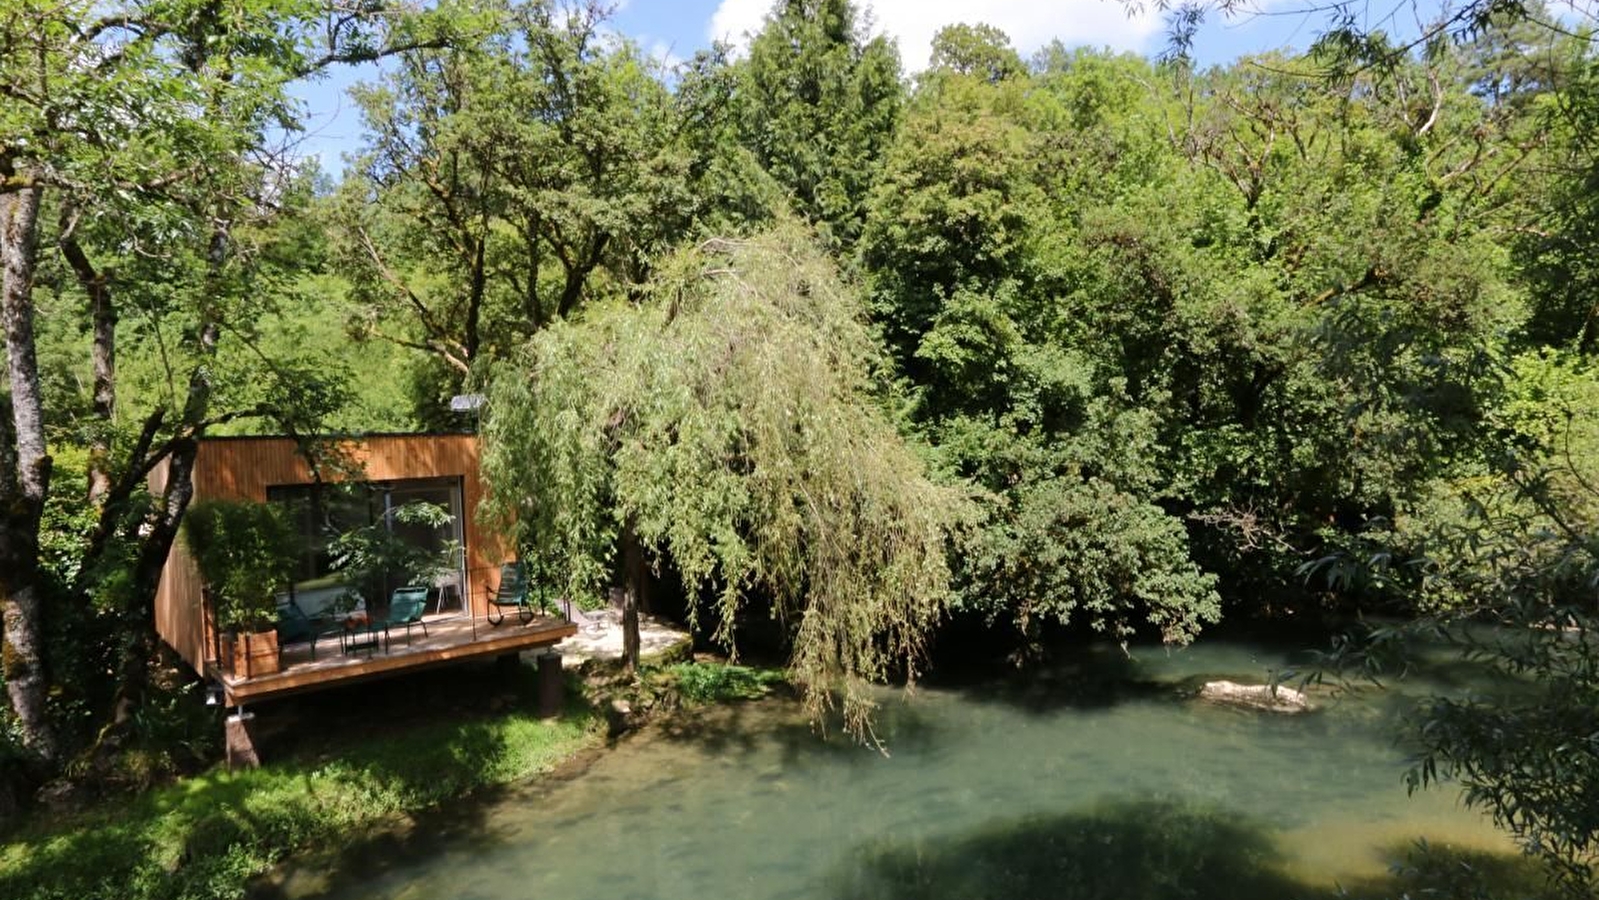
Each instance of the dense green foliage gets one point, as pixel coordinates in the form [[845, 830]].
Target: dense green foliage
[[245, 552], [499, 179], [1011, 349], [818, 102], [731, 429]]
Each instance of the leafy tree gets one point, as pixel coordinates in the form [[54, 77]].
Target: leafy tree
[[506, 182], [1515, 572], [1556, 249], [729, 427], [1352, 38], [820, 101], [1476, 471], [143, 127], [958, 246], [729, 192], [982, 51], [1318, 323]]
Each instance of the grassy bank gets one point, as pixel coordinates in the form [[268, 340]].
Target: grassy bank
[[344, 773], [341, 764]]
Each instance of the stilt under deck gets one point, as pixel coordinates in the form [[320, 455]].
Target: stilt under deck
[[448, 641]]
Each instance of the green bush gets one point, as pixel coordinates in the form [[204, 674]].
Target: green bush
[[715, 683], [245, 553]]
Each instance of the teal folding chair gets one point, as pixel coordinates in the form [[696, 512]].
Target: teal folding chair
[[511, 593], [294, 626], [405, 610]]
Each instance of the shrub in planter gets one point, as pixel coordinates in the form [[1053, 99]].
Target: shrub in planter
[[246, 553]]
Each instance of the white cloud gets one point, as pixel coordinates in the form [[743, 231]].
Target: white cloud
[[664, 53], [735, 20], [1030, 23]]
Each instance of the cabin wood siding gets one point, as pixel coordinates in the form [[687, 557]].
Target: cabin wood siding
[[243, 469]]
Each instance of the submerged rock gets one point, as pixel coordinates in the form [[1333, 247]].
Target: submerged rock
[[1265, 697]]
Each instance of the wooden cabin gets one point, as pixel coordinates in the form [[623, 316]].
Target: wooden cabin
[[381, 472]]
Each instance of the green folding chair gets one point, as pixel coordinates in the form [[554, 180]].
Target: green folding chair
[[294, 626], [511, 593], [405, 610]]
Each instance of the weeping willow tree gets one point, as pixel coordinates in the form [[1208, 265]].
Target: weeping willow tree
[[729, 426]]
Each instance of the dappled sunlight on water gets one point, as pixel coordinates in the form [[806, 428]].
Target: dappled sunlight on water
[[1102, 780]]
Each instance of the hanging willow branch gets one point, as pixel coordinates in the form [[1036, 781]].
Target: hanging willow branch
[[733, 417]]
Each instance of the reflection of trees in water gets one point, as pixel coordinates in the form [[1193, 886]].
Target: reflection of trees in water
[[1151, 850]]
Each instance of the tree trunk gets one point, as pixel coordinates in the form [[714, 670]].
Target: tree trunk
[[103, 353], [26, 480], [474, 300], [635, 594], [577, 275], [154, 535], [531, 307]]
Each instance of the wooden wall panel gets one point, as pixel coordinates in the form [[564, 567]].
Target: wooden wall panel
[[243, 469], [178, 615]]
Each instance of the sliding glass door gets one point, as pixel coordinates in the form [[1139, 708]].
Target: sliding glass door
[[325, 511], [448, 589]]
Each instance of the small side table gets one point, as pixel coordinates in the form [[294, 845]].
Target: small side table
[[359, 634]]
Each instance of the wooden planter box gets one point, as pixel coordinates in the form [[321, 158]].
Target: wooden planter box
[[255, 654]]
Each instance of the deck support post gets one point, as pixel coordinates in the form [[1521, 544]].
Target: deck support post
[[239, 733], [552, 689]]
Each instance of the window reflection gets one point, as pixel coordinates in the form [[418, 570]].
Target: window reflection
[[324, 511]]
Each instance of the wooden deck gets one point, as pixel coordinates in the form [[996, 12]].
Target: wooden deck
[[450, 639]]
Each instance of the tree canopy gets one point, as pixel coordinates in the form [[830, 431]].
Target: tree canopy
[[1013, 352], [733, 423], [140, 165]]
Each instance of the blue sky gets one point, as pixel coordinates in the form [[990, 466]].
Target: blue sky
[[683, 26], [675, 29]]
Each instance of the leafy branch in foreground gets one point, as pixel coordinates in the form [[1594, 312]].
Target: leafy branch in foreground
[[1523, 574]]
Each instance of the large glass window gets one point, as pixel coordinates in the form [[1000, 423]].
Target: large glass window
[[324, 511]]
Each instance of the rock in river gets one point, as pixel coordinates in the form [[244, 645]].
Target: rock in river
[[1270, 698]]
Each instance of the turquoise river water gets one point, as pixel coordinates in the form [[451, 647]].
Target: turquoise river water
[[1103, 780]]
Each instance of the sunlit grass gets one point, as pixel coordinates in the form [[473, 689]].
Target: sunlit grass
[[207, 836], [717, 682]]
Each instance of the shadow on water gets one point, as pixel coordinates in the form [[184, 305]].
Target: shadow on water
[[757, 729], [1450, 873], [1148, 850], [1095, 677], [1155, 850], [1099, 675]]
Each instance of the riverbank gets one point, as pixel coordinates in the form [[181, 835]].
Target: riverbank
[[342, 774], [208, 836]]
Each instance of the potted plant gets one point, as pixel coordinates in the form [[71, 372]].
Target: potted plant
[[246, 553]]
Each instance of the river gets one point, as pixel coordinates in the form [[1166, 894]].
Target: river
[[1094, 780]]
